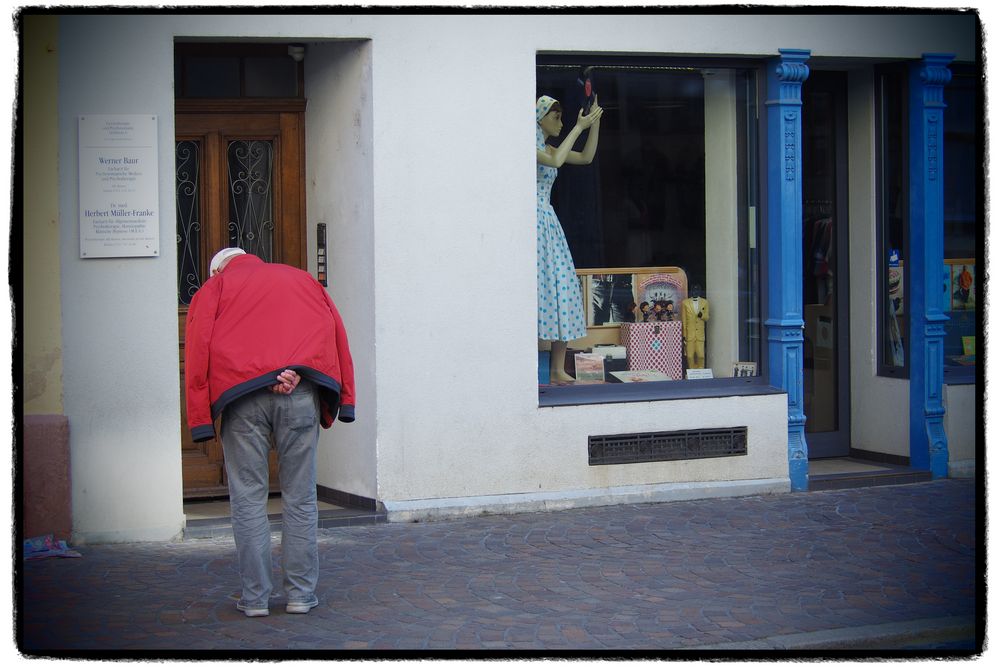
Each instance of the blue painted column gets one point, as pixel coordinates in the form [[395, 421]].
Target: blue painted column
[[785, 75], [928, 442]]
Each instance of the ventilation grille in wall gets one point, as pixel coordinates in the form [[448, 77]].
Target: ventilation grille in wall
[[667, 446]]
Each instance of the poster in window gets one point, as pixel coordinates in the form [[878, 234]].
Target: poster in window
[[610, 298], [969, 346], [963, 280], [895, 313], [660, 293]]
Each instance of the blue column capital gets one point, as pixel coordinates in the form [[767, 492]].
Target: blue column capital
[[791, 67], [785, 75], [794, 54], [935, 66], [929, 76]]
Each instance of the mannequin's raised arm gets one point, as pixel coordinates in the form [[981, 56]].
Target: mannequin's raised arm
[[565, 153], [589, 148], [559, 157]]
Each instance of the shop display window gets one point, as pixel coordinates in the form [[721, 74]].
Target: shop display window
[[661, 226], [963, 183], [963, 224], [893, 221]]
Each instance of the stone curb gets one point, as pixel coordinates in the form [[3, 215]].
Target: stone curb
[[885, 636]]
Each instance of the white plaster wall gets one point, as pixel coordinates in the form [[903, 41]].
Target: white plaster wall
[[960, 427], [546, 449], [849, 36], [339, 193], [455, 258], [119, 316], [452, 342]]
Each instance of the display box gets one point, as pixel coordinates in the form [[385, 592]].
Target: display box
[[654, 346], [640, 376], [610, 351]]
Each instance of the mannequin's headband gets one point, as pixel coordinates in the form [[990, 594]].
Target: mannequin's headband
[[543, 105]]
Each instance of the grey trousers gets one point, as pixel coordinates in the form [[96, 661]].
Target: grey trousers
[[247, 426]]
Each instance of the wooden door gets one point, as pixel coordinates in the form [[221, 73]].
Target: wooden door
[[240, 182]]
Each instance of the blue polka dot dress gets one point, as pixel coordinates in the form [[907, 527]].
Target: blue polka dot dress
[[560, 302]]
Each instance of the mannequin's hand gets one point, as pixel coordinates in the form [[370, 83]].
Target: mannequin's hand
[[595, 114]]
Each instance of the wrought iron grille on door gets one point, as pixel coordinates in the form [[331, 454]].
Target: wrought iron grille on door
[[189, 219], [250, 194], [251, 216]]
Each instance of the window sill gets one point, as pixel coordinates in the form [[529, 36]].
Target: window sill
[[550, 396], [958, 378]]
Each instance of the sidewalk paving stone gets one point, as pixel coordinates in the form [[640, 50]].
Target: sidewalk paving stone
[[760, 572]]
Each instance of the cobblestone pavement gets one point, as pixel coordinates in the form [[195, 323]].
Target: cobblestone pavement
[[632, 577]]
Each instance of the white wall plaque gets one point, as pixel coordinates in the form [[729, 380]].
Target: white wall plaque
[[119, 198]]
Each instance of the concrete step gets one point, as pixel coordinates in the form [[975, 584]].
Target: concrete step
[[328, 518], [847, 473]]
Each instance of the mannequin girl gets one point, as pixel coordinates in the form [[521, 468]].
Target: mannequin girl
[[551, 124], [560, 301]]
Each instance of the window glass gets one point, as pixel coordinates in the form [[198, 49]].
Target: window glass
[[233, 70], [894, 218], [962, 180], [211, 77], [648, 255], [271, 77]]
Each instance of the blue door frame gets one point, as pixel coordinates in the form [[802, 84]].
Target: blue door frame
[[785, 76]]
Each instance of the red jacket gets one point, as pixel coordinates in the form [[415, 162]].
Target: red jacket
[[249, 323]]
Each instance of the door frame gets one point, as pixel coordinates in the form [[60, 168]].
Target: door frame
[[280, 118], [837, 443]]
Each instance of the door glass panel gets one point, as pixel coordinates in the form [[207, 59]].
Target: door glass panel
[[189, 225], [211, 77], [819, 293], [271, 77], [251, 216]]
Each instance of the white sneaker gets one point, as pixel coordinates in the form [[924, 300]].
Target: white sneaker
[[252, 611], [300, 606]]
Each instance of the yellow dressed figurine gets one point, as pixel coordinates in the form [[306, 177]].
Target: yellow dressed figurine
[[694, 314]]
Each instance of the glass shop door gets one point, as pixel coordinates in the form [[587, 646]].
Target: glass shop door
[[825, 264]]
